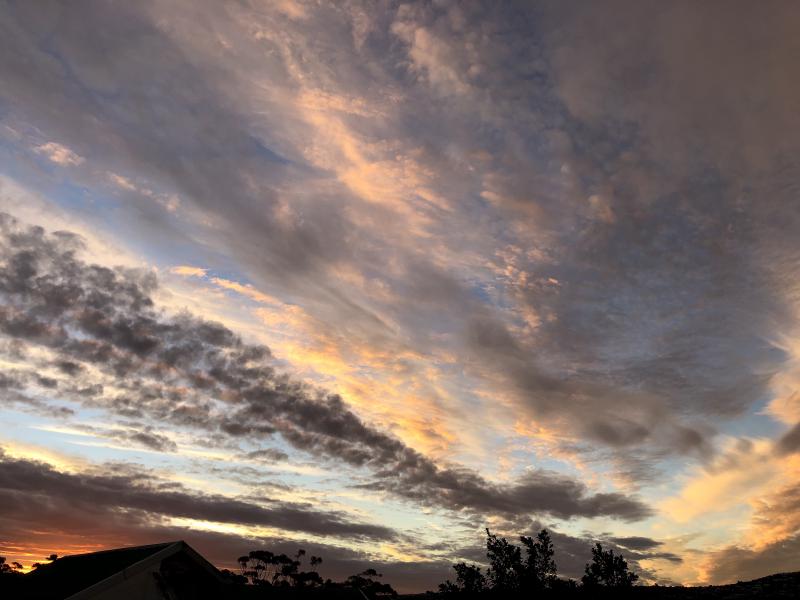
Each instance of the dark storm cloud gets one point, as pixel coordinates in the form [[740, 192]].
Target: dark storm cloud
[[29, 483], [194, 373]]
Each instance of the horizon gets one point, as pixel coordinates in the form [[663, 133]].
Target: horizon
[[368, 277]]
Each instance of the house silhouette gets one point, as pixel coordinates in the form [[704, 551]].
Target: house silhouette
[[167, 571]]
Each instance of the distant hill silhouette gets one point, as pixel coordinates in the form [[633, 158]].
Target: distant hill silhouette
[[780, 585]]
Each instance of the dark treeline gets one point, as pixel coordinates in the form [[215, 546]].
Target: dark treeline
[[535, 574], [283, 575], [527, 570]]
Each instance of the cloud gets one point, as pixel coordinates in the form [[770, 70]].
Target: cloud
[[123, 182], [736, 563], [189, 271], [270, 454], [61, 155], [51, 511], [739, 473], [753, 484], [397, 148], [26, 485], [537, 491], [636, 542], [169, 368], [789, 442], [471, 209]]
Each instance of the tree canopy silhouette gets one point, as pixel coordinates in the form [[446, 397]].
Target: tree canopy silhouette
[[608, 570], [540, 566], [267, 569], [511, 575], [507, 571], [7, 568], [367, 583], [262, 567]]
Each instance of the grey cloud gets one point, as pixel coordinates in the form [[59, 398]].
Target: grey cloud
[[62, 516], [636, 542], [25, 482], [778, 515], [133, 433], [665, 226], [737, 563], [169, 368], [574, 552], [669, 234], [161, 143], [68, 367], [153, 440], [636, 317], [789, 441], [270, 454], [538, 490]]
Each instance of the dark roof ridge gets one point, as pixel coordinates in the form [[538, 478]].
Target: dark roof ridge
[[123, 549], [168, 549]]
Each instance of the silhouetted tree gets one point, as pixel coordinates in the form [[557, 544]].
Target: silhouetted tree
[[6, 568], [540, 566], [52, 558], [262, 567], [366, 583], [608, 570], [507, 572], [11, 579], [469, 580], [505, 563]]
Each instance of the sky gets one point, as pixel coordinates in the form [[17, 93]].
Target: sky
[[368, 277]]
